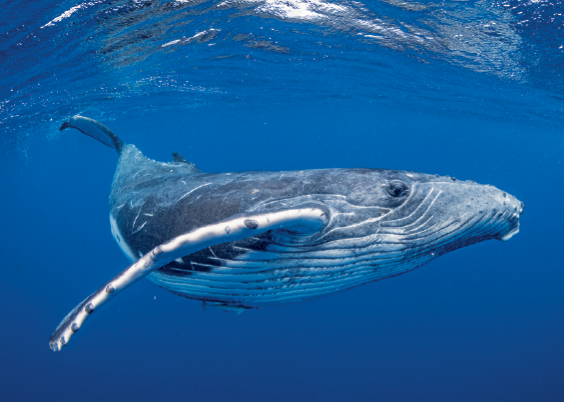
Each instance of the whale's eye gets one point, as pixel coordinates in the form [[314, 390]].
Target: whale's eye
[[397, 188]]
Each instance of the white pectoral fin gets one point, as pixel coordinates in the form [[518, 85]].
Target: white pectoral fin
[[76, 318], [307, 219]]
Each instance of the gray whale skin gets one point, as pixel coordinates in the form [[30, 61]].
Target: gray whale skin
[[249, 239]]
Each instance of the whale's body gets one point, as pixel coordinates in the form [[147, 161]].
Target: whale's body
[[252, 239], [371, 236]]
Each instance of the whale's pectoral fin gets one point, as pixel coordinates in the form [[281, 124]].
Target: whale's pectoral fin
[[95, 130], [308, 219]]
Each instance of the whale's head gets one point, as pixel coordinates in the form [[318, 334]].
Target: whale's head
[[410, 218], [408, 215], [437, 214], [396, 221]]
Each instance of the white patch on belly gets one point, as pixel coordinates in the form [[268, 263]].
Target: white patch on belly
[[121, 241]]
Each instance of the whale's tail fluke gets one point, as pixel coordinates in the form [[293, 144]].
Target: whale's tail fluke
[[95, 130]]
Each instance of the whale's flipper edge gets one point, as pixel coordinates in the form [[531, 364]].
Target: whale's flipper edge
[[307, 219], [94, 129]]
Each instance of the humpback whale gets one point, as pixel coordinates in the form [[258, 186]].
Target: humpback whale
[[244, 240]]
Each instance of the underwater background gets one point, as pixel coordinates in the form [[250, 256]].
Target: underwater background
[[471, 89]]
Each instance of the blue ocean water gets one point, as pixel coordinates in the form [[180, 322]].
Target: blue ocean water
[[472, 89]]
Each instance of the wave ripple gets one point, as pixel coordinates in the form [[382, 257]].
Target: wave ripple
[[494, 59]]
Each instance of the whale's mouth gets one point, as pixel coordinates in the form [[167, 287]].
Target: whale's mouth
[[510, 233]]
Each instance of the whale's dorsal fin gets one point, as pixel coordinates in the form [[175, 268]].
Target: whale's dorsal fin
[[176, 157], [95, 130]]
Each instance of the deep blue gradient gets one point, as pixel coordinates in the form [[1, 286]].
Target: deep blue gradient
[[484, 323]]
